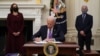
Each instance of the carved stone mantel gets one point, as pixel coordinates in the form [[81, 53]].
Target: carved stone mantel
[[30, 12]]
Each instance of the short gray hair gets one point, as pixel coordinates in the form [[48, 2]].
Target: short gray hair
[[51, 18]]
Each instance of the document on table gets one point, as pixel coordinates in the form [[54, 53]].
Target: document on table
[[46, 42]]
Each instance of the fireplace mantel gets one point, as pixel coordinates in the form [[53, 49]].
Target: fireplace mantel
[[30, 12]]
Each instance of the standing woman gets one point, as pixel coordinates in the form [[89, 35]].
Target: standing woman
[[15, 25]]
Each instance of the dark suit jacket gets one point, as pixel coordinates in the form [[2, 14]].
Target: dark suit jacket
[[57, 33], [86, 26]]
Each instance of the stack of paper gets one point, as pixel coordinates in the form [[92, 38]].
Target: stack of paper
[[47, 42]]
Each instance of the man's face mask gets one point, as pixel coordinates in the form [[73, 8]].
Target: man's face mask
[[84, 11]]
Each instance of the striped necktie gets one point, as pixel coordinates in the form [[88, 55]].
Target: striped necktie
[[83, 17], [50, 33]]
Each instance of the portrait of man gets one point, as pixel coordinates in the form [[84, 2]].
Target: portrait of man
[[50, 49]]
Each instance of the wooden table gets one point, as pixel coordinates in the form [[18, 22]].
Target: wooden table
[[64, 48]]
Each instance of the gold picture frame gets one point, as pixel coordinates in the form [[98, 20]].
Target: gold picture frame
[[50, 49]]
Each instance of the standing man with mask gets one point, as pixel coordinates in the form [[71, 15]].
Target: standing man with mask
[[84, 23]]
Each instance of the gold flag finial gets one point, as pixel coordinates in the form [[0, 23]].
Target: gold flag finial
[[86, 0], [38, 1]]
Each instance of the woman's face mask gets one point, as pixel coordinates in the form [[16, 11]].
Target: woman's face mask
[[15, 9]]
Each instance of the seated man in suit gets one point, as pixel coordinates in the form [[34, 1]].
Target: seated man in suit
[[49, 32]]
